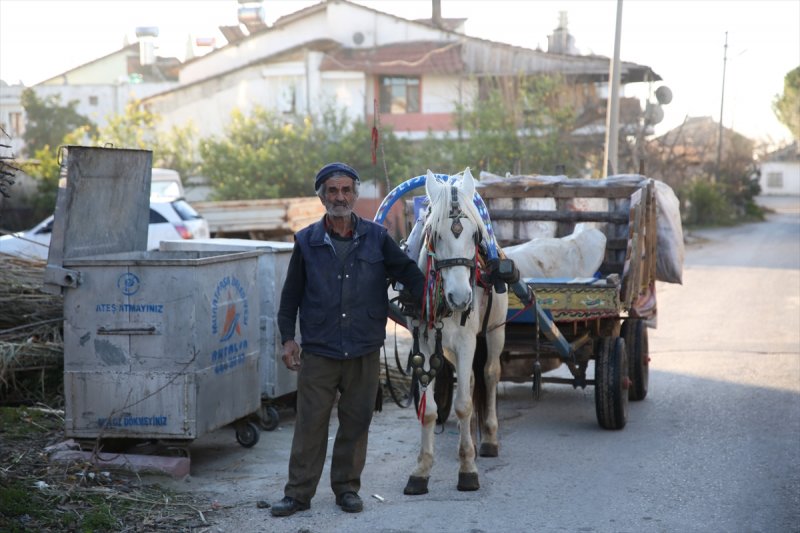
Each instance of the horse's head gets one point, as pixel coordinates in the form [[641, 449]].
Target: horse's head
[[454, 229]]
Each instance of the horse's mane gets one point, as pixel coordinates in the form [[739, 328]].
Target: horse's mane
[[439, 210]]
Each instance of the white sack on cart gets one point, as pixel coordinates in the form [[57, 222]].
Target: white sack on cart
[[578, 255], [670, 248], [589, 204], [670, 253], [527, 230]]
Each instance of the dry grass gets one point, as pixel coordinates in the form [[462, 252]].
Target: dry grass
[[31, 345]]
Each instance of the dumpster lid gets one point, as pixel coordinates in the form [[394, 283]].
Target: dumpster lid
[[102, 207]]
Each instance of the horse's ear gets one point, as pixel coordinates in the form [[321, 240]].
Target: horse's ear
[[468, 184], [432, 186]]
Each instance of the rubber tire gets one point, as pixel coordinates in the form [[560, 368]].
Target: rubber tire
[[610, 383], [269, 418], [634, 331], [247, 434]]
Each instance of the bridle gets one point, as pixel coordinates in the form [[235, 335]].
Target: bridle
[[456, 228], [436, 306]]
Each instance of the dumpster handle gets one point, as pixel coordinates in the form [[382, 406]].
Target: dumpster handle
[[148, 330]]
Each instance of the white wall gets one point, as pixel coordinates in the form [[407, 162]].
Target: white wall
[[338, 22], [98, 102], [96, 72], [240, 54], [10, 105], [780, 178], [345, 90], [208, 105], [440, 93]]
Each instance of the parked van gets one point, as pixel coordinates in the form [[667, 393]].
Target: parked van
[[166, 185]]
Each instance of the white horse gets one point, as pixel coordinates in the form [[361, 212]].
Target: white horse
[[456, 306]]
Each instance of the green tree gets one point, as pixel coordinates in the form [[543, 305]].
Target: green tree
[[135, 128], [521, 125], [259, 156], [48, 121], [45, 168], [177, 149], [787, 105], [263, 155]]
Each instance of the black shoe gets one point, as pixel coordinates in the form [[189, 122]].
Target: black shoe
[[288, 506], [350, 502]]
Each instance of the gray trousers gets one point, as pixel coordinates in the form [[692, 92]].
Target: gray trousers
[[320, 378]]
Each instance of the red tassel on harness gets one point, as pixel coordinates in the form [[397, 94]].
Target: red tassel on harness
[[421, 408], [374, 145], [375, 133]]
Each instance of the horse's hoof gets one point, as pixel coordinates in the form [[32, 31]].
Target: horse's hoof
[[416, 485], [488, 449], [468, 481]]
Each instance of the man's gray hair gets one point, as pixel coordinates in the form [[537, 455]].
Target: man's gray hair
[[322, 188]]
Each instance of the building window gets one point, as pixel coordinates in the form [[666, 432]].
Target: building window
[[15, 124], [775, 180], [93, 100], [399, 94]]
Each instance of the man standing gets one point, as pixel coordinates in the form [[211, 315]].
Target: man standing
[[337, 280]]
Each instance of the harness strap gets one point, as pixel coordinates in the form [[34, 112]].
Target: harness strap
[[515, 315], [486, 314], [405, 401], [456, 261]]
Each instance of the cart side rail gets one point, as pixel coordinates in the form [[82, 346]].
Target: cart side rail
[[629, 222]]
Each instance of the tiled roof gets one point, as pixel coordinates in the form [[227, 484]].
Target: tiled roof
[[421, 57], [790, 152], [449, 24]]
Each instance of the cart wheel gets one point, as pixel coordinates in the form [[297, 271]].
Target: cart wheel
[[268, 418], [537, 380], [443, 392], [634, 331], [611, 383], [247, 434]]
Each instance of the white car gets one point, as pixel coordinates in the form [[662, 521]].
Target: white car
[[168, 221]]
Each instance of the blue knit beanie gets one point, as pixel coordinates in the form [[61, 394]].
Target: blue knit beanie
[[332, 169]]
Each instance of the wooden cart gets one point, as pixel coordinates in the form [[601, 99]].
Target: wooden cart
[[573, 322]]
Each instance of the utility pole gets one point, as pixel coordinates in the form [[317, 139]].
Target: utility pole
[[721, 107], [612, 110]]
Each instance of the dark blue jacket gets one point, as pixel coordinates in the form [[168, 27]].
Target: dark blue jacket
[[343, 305]]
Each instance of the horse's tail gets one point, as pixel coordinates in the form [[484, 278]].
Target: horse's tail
[[479, 394]]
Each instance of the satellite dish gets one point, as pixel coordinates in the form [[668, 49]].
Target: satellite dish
[[664, 95], [358, 37]]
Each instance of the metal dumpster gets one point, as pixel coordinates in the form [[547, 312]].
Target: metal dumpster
[[157, 345], [276, 380]]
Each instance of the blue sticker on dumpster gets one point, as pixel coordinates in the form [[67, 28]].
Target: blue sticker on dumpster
[[230, 314], [128, 283]]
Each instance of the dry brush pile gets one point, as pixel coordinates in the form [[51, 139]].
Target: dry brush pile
[[31, 346]]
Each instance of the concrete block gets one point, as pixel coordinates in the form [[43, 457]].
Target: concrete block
[[177, 467]]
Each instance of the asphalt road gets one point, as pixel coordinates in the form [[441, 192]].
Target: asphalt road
[[714, 447]]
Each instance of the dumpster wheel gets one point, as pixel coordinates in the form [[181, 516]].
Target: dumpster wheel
[[268, 417], [247, 434]]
